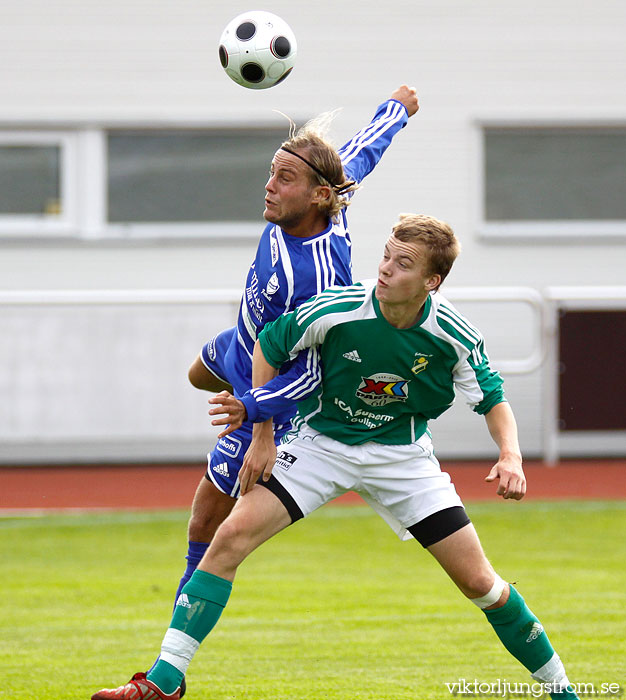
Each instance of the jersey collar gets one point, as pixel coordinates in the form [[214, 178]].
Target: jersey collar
[[425, 312]]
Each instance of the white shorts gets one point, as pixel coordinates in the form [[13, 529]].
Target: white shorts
[[403, 483]]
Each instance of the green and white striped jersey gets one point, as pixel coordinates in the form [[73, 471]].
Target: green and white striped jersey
[[381, 383]]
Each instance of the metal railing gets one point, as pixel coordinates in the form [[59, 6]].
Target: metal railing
[[106, 297]]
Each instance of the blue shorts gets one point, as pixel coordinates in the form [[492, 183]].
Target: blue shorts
[[221, 356], [226, 458]]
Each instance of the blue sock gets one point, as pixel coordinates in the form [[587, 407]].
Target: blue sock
[[195, 552]]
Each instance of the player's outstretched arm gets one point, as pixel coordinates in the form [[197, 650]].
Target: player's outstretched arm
[[408, 97], [508, 468], [363, 151]]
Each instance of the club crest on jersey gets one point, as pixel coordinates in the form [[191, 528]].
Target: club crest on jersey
[[419, 365], [272, 287], [381, 389]]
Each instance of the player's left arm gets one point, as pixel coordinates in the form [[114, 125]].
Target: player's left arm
[[361, 153], [484, 390], [508, 469]]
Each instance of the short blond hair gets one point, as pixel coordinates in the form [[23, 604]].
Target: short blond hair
[[437, 237], [312, 140]]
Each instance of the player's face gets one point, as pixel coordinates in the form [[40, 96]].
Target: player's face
[[403, 274], [290, 194]]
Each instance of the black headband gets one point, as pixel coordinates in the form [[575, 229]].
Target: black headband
[[339, 189]]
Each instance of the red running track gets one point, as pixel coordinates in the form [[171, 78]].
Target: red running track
[[141, 486]]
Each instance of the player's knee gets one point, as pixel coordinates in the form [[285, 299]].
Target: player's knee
[[478, 584], [202, 527], [233, 540], [489, 591], [209, 510]]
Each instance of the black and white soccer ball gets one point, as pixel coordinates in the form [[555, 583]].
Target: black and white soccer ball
[[258, 50]]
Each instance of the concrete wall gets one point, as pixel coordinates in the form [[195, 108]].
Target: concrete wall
[[92, 63]]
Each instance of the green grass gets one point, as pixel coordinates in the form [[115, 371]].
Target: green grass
[[335, 607]]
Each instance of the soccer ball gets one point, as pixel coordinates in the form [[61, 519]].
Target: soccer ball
[[257, 50]]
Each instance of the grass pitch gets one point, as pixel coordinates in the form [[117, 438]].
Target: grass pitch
[[333, 608]]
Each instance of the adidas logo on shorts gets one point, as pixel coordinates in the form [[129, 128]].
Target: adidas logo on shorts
[[221, 469]]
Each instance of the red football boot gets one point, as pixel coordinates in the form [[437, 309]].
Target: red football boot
[[137, 688]]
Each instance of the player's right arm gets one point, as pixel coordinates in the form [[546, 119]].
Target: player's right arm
[[279, 341], [261, 455]]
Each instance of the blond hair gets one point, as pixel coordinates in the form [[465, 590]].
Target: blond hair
[[436, 236], [326, 167]]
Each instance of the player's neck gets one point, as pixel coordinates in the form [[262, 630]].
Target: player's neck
[[403, 315], [307, 226]]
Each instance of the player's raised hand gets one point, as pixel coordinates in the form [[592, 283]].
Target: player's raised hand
[[512, 480], [408, 97], [232, 410]]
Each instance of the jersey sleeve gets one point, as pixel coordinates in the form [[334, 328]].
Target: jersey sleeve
[[481, 385], [285, 390], [279, 337], [361, 154]]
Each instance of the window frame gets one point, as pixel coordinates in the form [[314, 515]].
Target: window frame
[[591, 230]]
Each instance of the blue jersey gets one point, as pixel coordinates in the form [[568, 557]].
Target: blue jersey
[[285, 273], [288, 270]]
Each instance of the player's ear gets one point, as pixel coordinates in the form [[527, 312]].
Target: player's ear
[[321, 194], [433, 282]]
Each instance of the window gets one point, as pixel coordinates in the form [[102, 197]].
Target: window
[[29, 180], [185, 176], [127, 183], [553, 181], [37, 174]]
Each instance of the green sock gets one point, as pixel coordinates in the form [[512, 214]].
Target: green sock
[[197, 611], [523, 636]]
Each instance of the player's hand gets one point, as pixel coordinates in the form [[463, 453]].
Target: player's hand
[[512, 480], [233, 410], [408, 97], [259, 459]]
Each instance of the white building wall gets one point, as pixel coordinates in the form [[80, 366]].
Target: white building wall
[[90, 63]]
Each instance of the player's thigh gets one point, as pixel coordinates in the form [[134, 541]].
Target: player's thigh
[[203, 378], [209, 509], [462, 557]]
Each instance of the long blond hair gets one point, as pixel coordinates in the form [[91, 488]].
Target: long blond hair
[[326, 167]]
